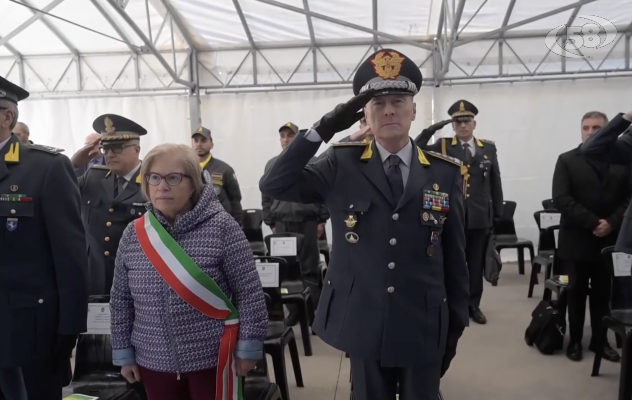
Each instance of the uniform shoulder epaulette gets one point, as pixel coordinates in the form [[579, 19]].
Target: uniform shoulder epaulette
[[487, 141], [47, 149], [349, 144], [443, 157], [98, 166]]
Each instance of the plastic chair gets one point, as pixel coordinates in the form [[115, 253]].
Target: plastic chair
[[548, 204], [506, 238], [252, 227], [546, 249]]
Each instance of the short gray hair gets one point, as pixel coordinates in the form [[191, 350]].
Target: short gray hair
[[25, 127], [595, 114], [11, 106], [187, 158]]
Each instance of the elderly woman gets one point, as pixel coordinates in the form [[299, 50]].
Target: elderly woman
[[188, 310]]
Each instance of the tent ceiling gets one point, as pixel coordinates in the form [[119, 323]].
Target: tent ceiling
[[114, 46]]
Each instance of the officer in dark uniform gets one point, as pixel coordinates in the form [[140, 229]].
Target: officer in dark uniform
[[43, 290], [483, 190], [223, 175], [111, 196], [397, 289], [613, 143]]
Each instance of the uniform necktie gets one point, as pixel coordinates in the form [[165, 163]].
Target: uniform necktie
[[468, 153], [395, 179], [120, 185]]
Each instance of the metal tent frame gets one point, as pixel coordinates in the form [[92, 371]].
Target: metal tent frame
[[191, 74]]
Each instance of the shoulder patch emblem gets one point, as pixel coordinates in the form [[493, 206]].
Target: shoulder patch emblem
[[449, 159], [98, 166], [47, 149], [487, 141], [349, 144]]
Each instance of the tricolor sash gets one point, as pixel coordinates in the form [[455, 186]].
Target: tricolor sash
[[198, 289]]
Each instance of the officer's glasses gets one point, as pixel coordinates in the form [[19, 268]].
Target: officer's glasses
[[173, 179], [116, 149]]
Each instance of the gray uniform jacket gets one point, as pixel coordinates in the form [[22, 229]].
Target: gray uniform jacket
[[389, 296], [226, 187], [609, 144], [483, 187], [43, 291], [105, 219]]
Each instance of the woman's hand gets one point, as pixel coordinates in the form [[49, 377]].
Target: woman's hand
[[131, 373], [244, 366]]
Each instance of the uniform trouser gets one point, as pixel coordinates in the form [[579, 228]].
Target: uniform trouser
[[371, 381], [309, 254], [476, 242], [579, 275], [12, 384]]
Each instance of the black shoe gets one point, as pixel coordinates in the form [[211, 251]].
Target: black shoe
[[574, 352], [477, 316], [608, 353]]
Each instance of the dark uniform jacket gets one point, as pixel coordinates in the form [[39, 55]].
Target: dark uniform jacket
[[287, 211], [43, 262], [607, 145], [585, 191], [226, 187], [387, 297], [483, 186], [105, 218]]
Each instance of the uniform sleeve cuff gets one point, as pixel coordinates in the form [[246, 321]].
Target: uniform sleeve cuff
[[123, 357], [249, 350], [313, 136]]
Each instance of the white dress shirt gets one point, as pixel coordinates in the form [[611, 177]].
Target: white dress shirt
[[4, 142], [405, 154], [130, 175], [472, 145]]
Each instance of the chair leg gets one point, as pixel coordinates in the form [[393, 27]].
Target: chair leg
[[600, 344], [534, 278], [280, 371], [520, 260], [296, 362], [625, 383], [304, 321]]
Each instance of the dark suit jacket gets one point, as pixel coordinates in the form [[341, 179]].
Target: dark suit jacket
[[43, 263], [609, 146], [387, 297], [584, 191]]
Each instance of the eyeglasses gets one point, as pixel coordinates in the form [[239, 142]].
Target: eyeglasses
[[116, 149], [173, 179]]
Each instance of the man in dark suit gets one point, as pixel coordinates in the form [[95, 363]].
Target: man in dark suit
[[396, 294], [223, 175], [483, 190], [111, 196], [613, 143], [592, 197], [43, 299]]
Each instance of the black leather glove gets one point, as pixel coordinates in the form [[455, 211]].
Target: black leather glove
[[422, 139], [64, 346], [343, 116], [439, 125]]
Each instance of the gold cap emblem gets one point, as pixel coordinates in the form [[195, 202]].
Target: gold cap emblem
[[200, 129], [462, 107], [109, 126], [388, 66]]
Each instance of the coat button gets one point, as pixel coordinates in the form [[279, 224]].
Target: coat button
[[390, 289], [88, 201], [107, 239], [350, 205], [468, 185], [468, 195], [329, 282], [111, 210], [107, 253], [108, 223], [393, 242], [12, 211], [395, 217], [391, 265], [41, 301], [444, 300]]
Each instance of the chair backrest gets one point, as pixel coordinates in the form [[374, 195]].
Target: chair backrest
[[546, 239], [284, 267], [274, 301], [252, 224], [294, 271], [621, 286], [505, 225], [548, 204]]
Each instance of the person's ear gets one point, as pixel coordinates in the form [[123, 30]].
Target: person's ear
[[474, 124], [414, 111]]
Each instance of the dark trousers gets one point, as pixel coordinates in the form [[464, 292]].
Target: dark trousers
[[309, 255], [12, 384], [43, 382], [199, 385], [580, 273], [476, 242], [371, 381]]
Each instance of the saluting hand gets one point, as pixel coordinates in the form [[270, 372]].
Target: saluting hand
[[361, 134], [86, 154], [343, 116]]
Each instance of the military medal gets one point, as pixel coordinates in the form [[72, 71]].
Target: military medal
[[435, 187], [352, 237], [430, 251], [14, 188], [132, 211], [434, 237], [442, 220], [12, 224], [425, 217], [351, 221]]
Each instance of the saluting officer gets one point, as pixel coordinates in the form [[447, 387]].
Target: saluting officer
[[110, 194], [43, 290], [483, 190], [396, 294], [223, 175]]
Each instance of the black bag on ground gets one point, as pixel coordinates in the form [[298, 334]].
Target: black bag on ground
[[547, 328]]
